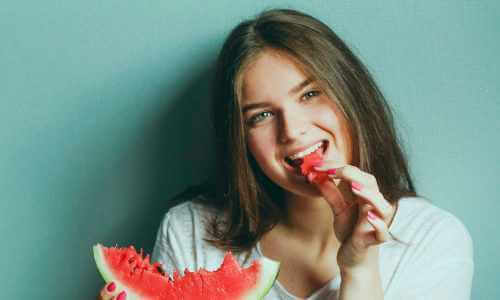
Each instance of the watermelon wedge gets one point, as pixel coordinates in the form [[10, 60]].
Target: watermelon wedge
[[134, 273], [306, 168]]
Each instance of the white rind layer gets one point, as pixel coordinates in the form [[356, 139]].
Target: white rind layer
[[269, 273], [108, 276]]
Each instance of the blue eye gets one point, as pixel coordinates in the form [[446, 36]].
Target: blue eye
[[259, 117]]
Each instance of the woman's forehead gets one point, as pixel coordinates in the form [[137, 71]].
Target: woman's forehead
[[273, 74]]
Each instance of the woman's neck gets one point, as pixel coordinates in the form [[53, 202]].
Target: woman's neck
[[309, 219]]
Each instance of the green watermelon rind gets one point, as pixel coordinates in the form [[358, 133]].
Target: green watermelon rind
[[269, 273], [108, 275], [101, 264]]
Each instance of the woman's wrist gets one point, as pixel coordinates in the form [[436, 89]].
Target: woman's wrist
[[361, 282], [359, 272], [352, 262]]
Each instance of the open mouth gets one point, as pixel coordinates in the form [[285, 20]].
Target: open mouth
[[297, 159]]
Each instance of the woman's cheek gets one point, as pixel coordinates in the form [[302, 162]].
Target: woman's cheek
[[257, 147], [263, 149], [331, 119]]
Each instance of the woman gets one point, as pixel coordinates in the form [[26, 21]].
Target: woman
[[287, 86]]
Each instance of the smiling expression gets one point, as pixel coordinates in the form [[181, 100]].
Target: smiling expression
[[286, 112]]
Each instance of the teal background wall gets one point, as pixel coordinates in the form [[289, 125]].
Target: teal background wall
[[103, 118]]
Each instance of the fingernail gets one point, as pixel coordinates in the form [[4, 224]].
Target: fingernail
[[331, 171], [371, 216], [121, 296], [111, 287], [356, 185]]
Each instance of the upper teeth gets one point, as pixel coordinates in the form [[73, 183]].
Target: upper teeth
[[306, 152]]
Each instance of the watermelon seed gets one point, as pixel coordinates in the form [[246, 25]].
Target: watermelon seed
[[160, 269]]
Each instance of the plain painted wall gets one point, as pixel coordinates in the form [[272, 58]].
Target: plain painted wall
[[103, 118]]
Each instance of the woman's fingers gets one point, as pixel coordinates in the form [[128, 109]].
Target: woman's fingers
[[344, 210], [375, 212], [355, 174], [334, 197], [381, 233], [363, 185], [376, 199], [121, 296], [348, 172], [370, 229], [112, 292]]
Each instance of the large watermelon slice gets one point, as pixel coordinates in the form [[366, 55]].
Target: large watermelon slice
[[134, 273]]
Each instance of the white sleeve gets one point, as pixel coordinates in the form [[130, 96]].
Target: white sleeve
[[441, 266]]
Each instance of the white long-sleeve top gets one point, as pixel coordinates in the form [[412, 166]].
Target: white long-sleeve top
[[437, 263]]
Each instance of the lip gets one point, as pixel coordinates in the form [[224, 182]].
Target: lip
[[300, 149], [325, 147]]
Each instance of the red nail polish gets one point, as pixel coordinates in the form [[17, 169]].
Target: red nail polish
[[356, 185], [111, 287], [121, 296], [371, 216], [331, 171]]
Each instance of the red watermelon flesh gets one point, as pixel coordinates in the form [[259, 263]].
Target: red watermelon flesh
[[142, 280], [310, 161]]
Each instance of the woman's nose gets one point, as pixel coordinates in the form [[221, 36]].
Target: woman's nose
[[292, 126]]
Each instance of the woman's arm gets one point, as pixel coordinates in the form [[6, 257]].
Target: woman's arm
[[363, 283], [360, 227]]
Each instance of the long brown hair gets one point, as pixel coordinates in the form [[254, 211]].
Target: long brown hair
[[250, 203]]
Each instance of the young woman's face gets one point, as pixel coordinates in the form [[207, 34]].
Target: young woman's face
[[285, 113]]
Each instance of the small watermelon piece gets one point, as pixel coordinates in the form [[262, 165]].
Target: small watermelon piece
[[306, 168], [132, 272]]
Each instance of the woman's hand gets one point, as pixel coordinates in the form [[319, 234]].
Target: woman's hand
[[362, 214], [111, 292]]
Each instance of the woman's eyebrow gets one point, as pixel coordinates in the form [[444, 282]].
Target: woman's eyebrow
[[292, 91], [300, 86], [253, 106]]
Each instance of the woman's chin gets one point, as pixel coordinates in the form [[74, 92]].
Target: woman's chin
[[304, 189]]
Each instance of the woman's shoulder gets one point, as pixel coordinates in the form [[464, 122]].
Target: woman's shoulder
[[195, 201], [435, 247], [418, 211], [425, 225], [190, 211], [182, 237]]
